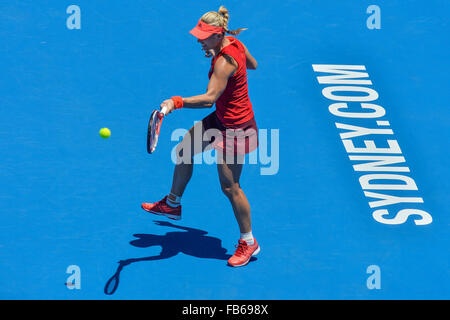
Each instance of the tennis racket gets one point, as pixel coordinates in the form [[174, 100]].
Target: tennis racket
[[154, 125]]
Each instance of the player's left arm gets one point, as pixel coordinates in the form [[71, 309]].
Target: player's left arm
[[224, 68]]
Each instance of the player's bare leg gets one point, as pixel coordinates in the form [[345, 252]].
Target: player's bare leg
[[170, 205], [191, 145], [229, 175]]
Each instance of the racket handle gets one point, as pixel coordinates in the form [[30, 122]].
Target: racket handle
[[163, 111]]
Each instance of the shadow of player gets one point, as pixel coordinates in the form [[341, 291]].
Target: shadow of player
[[190, 241]]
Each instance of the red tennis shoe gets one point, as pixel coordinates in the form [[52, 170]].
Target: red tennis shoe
[[163, 209], [243, 253]]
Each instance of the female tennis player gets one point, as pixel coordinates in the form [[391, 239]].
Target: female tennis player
[[227, 89]]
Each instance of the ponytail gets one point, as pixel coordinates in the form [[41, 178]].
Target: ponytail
[[220, 19]]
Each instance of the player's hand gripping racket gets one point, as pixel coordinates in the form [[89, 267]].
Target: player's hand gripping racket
[[154, 125]]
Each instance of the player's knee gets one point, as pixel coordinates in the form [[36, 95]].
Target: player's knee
[[230, 190]]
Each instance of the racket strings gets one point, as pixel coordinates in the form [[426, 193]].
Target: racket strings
[[155, 124]]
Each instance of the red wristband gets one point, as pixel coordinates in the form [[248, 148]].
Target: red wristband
[[178, 102]]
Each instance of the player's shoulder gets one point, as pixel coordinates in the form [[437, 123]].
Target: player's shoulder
[[228, 58], [225, 63], [225, 66]]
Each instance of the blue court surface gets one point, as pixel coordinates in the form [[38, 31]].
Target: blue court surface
[[349, 190]]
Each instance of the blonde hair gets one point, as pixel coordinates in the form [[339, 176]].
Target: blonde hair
[[220, 19]]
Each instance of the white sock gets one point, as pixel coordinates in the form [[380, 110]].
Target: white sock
[[248, 237], [173, 203]]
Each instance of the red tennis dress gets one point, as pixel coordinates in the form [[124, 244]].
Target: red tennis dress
[[234, 116]]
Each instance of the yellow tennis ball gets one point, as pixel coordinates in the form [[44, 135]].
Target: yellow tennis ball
[[105, 133]]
